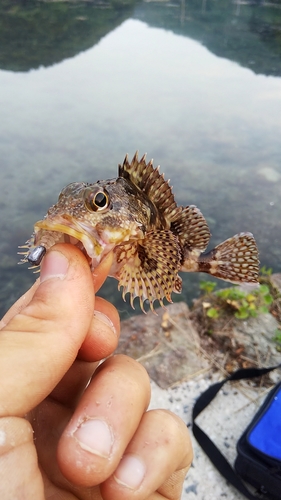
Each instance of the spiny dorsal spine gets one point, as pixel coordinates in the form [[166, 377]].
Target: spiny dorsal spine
[[152, 183]]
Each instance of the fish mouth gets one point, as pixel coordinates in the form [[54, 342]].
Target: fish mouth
[[65, 229]]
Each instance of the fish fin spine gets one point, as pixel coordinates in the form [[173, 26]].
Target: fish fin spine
[[152, 270], [149, 180]]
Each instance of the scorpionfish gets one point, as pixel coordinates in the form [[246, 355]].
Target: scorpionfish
[[135, 216]]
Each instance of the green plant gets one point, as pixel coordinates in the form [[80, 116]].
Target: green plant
[[247, 304], [207, 286], [266, 271], [244, 304], [213, 313]]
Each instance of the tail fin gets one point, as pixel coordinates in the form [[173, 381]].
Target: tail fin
[[235, 260]]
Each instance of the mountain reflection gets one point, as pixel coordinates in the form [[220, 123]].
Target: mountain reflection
[[34, 33], [248, 33]]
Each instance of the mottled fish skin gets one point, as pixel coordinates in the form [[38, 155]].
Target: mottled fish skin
[[152, 239]]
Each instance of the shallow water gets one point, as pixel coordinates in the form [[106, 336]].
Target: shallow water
[[195, 85]]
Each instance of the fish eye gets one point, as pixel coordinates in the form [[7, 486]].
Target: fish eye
[[96, 200]]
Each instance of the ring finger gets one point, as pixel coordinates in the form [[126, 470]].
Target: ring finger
[[155, 462]]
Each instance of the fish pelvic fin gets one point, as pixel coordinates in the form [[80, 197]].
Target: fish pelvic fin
[[151, 273], [235, 260]]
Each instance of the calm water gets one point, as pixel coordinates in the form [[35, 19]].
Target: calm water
[[196, 85]]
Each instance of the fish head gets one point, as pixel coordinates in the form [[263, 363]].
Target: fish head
[[95, 217]]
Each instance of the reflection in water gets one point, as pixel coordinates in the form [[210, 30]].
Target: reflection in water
[[37, 33], [34, 33], [245, 32], [213, 125]]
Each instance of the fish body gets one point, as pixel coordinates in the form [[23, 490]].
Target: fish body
[[152, 238]]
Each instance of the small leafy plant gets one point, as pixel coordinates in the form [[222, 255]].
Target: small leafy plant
[[244, 304], [207, 286], [247, 304], [265, 271], [213, 313]]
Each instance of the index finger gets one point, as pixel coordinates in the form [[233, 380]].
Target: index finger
[[99, 276], [39, 344]]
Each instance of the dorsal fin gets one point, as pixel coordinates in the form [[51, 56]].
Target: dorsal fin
[[151, 182]]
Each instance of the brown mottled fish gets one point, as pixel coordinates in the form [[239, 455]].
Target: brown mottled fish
[[152, 238]]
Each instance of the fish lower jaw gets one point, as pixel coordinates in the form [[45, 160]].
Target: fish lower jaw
[[93, 242], [93, 249]]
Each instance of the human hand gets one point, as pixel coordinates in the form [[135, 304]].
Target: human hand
[[60, 439]]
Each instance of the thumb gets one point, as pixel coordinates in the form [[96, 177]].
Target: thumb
[[40, 343]]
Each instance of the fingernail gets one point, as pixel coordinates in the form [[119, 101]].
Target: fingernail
[[130, 472], [105, 319], [54, 265], [95, 436]]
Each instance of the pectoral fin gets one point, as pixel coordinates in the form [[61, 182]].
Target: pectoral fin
[[152, 271]]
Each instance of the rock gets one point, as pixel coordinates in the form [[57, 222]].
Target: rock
[[166, 344], [175, 344], [276, 281], [256, 335]]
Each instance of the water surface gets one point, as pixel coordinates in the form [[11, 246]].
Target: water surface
[[196, 86]]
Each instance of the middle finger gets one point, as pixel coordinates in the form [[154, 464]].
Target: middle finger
[[101, 341]]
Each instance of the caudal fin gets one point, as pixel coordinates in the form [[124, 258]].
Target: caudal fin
[[235, 260]]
